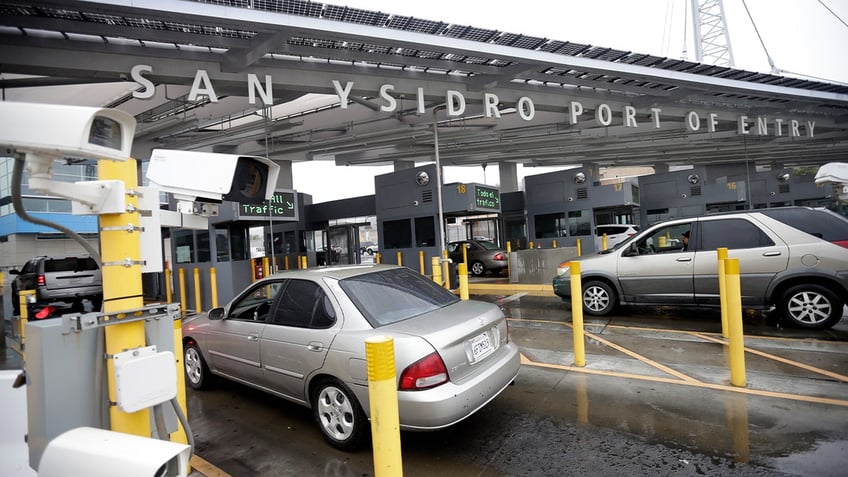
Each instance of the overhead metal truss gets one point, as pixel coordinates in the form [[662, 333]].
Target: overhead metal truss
[[305, 45]]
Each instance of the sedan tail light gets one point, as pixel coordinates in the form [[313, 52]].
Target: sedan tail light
[[841, 243], [499, 256], [426, 373]]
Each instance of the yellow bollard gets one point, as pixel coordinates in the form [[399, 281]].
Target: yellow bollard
[[721, 254], [180, 434], [378, 258], [577, 315], [437, 270], [421, 262], [266, 267], [213, 284], [734, 322], [400, 259], [604, 242], [463, 281], [465, 255], [554, 244], [23, 302], [382, 394], [182, 291], [579, 249], [304, 262], [286, 262], [197, 305], [169, 294], [531, 245]]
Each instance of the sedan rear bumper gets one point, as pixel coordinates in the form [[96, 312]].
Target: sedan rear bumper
[[450, 403]]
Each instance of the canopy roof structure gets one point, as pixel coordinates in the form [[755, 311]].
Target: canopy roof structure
[[364, 87]]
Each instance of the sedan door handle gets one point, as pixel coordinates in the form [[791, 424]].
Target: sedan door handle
[[684, 259], [253, 337], [315, 346], [773, 253]]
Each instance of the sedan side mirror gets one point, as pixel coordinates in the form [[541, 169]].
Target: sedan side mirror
[[216, 313]]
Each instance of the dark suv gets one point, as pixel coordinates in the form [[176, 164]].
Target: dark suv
[[59, 279], [793, 259]]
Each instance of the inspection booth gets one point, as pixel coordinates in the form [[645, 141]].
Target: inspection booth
[[407, 208], [726, 187], [224, 243], [337, 230], [565, 206]]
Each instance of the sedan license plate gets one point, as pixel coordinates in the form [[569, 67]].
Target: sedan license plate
[[481, 345]]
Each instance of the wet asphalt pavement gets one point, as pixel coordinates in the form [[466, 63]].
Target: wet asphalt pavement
[[651, 400]]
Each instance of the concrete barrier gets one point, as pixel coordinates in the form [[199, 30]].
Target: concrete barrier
[[538, 265]]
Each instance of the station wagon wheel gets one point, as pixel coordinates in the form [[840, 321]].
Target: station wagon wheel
[[197, 373], [339, 415], [811, 306], [599, 299], [478, 269]]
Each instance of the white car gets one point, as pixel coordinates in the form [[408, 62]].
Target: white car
[[615, 233]]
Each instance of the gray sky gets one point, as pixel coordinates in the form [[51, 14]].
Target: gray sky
[[803, 38]]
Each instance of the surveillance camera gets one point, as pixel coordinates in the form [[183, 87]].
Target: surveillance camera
[[211, 176], [53, 131], [100, 453]]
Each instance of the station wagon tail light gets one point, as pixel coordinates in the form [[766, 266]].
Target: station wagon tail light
[[563, 268], [426, 373]]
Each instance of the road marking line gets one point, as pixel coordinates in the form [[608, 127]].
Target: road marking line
[[797, 364], [698, 384], [628, 352], [641, 358], [203, 466], [512, 297]]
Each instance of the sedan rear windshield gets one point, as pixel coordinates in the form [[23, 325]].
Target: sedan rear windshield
[[395, 295]]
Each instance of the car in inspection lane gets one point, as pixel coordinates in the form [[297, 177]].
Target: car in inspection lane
[[793, 260], [300, 335]]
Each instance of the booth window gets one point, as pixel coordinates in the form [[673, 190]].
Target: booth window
[[579, 223], [222, 244], [239, 248], [425, 231], [204, 251], [183, 246], [191, 246], [550, 225], [397, 234]]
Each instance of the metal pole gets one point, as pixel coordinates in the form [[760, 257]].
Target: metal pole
[[443, 241]]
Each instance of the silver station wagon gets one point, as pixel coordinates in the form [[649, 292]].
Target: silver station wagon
[[793, 260], [300, 335]]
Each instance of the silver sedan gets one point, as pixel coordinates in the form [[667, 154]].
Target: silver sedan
[[300, 335]]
